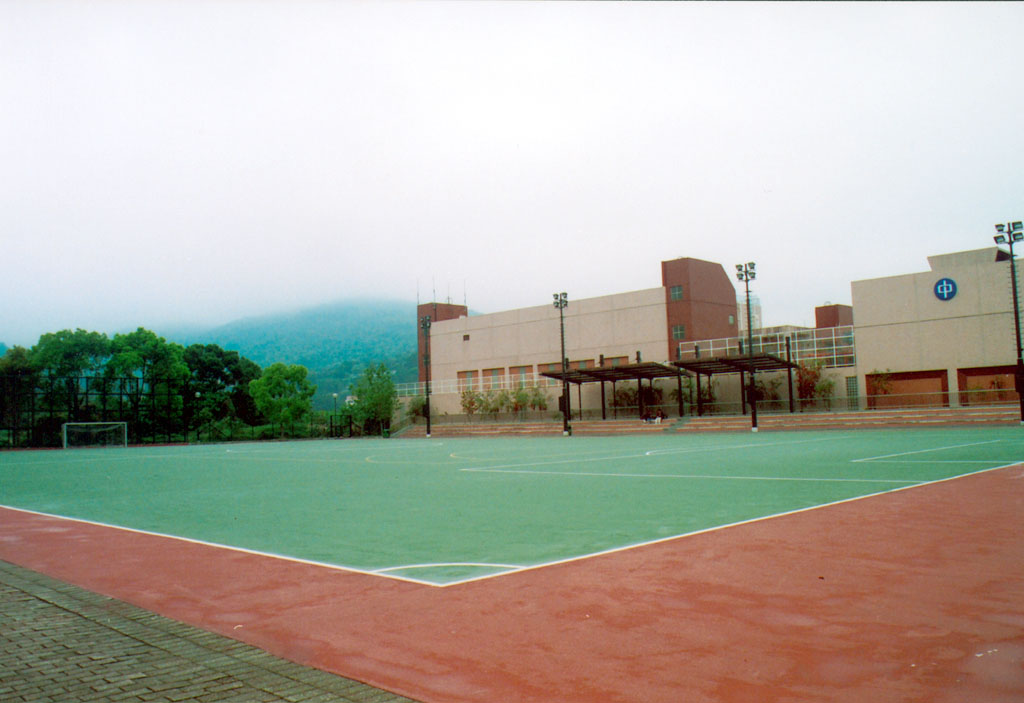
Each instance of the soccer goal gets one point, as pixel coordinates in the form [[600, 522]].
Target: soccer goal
[[94, 434]]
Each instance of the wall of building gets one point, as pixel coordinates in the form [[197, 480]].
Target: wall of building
[[438, 312], [496, 345], [903, 327], [706, 308], [833, 316]]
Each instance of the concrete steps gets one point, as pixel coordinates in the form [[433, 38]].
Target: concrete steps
[[925, 417], [509, 429]]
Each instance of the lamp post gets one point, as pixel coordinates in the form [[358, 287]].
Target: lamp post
[[334, 417], [198, 396], [746, 273], [1009, 234], [561, 300], [425, 326]]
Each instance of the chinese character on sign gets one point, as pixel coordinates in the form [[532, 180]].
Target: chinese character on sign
[[945, 289]]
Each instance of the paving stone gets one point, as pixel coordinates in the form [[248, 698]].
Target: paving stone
[[62, 643]]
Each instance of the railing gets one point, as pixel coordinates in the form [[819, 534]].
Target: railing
[[830, 346], [458, 385]]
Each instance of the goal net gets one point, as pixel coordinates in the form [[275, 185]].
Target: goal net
[[94, 434]]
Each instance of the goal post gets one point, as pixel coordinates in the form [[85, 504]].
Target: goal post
[[94, 434]]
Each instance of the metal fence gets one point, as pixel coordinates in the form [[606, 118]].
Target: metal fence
[[829, 347], [34, 407]]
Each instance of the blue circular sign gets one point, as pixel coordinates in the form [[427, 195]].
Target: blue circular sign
[[945, 289]]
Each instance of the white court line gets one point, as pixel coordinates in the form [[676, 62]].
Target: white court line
[[243, 550], [482, 565], [697, 476], [661, 452], [653, 452], [716, 528], [923, 451]]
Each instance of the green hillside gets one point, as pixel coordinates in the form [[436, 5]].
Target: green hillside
[[335, 341]]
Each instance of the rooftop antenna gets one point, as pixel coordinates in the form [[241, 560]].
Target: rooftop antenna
[[433, 289], [464, 293]]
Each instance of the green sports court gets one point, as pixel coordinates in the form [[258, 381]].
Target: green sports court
[[445, 511]]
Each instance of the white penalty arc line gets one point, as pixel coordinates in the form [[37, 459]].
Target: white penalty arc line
[[693, 476], [923, 451]]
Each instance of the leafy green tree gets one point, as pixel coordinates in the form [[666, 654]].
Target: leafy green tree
[[19, 378], [68, 353], [538, 398], [807, 377], [222, 379], [144, 354], [283, 394], [470, 401], [157, 398], [520, 400], [66, 356], [811, 383], [375, 399], [416, 408]]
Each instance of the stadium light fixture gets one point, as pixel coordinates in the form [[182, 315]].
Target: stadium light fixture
[[425, 326], [746, 273], [1014, 230], [561, 301]]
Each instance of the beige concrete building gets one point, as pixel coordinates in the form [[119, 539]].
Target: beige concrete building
[[944, 336], [505, 350]]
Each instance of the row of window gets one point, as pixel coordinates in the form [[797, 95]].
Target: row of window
[[494, 378]]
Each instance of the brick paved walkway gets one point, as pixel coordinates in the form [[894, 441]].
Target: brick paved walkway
[[62, 643]]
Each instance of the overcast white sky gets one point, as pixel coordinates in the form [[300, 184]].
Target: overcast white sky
[[166, 162]]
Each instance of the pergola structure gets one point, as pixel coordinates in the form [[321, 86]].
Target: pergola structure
[[639, 372], [741, 365]]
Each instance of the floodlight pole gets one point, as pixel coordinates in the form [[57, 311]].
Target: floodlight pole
[[196, 413], [561, 300], [425, 324], [1009, 234], [746, 273]]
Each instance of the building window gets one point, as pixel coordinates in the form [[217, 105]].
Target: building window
[[492, 378], [732, 319], [465, 338], [466, 379], [852, 401], [675, 293], [678, 331], [520, 373]]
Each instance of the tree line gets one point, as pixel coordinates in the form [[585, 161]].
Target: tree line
[[164, 390]]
